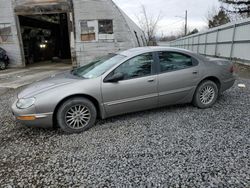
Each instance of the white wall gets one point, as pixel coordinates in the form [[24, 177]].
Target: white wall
[[123, 28], [230, 41]]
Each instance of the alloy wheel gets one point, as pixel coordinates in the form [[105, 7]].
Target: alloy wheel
[[78, 116], [207, 95]]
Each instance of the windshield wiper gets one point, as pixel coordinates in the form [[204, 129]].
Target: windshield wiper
[[74, 72]]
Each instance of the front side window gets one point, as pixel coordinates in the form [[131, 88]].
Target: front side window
[[136, 67], [105, 26], [172, 61], [5, 33]]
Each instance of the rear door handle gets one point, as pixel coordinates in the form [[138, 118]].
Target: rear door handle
[[195, 72]]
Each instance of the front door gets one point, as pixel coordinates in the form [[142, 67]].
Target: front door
[[137, 91]]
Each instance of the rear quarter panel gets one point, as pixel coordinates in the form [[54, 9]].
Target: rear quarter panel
[[219, 68]]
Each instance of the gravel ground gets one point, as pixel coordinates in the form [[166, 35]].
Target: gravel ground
[[178, 146], [243, 70]]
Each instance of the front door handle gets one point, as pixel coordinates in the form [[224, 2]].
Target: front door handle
[[151, 80]]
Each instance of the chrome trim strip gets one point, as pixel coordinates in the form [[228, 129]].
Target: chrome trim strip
[[175, 91], [131, 99], [44, 115]]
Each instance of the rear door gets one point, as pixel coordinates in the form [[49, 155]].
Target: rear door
[[137, 91], [178, 77]]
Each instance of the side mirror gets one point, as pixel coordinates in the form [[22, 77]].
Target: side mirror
[[115, 78]]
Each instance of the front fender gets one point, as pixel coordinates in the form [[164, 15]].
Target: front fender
[[47, 101]]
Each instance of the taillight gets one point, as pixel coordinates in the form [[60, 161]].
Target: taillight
[[233, 69]]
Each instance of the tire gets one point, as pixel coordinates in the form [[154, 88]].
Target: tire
[[206, 94], [2, 65], [76, 115]]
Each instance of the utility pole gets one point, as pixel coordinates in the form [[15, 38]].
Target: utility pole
[[186, 23]]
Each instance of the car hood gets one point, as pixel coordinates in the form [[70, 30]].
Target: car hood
[[48, 83]]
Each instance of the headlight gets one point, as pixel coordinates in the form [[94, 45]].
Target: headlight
[[25, 103]]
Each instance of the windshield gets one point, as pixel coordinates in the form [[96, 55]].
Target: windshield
[[98, 67]]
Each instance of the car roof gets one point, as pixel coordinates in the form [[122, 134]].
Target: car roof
[[141, 50]]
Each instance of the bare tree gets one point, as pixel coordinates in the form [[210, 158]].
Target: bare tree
[[237, 7], [211, 13], [220, 19], [182, 31], [149, 23], [216, 17]]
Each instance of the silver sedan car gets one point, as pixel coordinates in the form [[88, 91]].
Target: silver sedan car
[[129, 81]]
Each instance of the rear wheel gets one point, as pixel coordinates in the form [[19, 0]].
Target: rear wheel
[[2, 65], [206, 94], [76, 115]]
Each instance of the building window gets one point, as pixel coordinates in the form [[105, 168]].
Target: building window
[[5, 33], [105, 26], [88, 30]]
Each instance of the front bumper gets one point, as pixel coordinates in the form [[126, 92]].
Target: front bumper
[[40, 120]]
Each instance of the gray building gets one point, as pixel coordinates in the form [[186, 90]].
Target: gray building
[[77, 30]]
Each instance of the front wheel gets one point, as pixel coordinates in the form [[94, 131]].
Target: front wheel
[[206, 94], [76, 115]]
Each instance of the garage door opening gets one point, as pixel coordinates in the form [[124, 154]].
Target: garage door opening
[[45, 38]]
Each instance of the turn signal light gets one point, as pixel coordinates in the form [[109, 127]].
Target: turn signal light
[[26, 118]]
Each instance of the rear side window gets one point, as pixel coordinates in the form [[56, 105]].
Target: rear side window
[[173, 61]]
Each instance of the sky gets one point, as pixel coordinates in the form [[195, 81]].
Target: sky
[[172, 12]]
